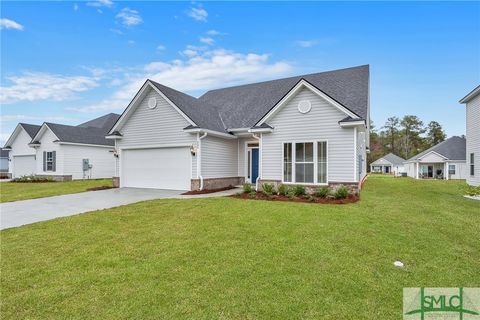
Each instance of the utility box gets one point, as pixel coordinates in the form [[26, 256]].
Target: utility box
[[86, 164]]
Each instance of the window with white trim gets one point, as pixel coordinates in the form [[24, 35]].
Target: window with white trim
[[49, 161], [305, 162], [451, 169]]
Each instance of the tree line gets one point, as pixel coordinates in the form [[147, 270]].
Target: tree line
[[404, 137]]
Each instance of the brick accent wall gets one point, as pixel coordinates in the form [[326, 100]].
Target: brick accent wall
[[116, 182], [216, 183]]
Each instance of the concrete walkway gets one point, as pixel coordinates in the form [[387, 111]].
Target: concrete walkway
[[18, 213]]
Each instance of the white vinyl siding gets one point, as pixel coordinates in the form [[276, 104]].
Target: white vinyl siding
[[20, 148], [47, 145], [361, 154], [432, 158], [473, 138], [101, 159], [161, 126], [321, 123], [219, 157]]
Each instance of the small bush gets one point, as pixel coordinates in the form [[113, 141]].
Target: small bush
[[268, 189], [33, 178], [252, 194], [247, 188], [472, 191], [298, 191], [283, 190], [342, 192], [322, 192]]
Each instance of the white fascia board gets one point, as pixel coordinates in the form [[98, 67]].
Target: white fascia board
[[261, 130], [235, 130], [350, 124], [14, 134], [471, 95], [438, 154], [211, 132], [301, 84], [113, 137], [134, 103], [85, 144], [40, 132]]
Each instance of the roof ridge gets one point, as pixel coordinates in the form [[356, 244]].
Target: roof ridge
[[301, 76]]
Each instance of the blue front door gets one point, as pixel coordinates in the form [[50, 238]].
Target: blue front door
[[254, 165]]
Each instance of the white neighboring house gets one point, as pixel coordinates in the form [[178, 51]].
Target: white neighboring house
[[445, 160], [4, 162], [390, 163], [75, 152], [22, 157], [472, 101], [310, 130]]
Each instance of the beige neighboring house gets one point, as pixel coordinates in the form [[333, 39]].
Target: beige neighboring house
[[390, 164], [472, 102]]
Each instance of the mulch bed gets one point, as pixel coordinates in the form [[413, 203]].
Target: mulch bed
[[205, 191], [261, 196], [100, 188]]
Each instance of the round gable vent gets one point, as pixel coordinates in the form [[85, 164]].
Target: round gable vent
[[304, 106], [152, 103]]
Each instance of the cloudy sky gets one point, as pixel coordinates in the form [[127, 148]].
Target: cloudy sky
[[68, 62]]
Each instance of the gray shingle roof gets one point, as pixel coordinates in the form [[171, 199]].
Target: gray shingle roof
[[454, 148], [202, 113], [31, 129], [90, 132], [392, 158], [243, 106]]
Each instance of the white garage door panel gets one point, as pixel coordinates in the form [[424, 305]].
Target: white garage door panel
[[23, 165], [162, 168]]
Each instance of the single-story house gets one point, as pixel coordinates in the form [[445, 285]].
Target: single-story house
[[22, 157], [390, 163], [4, 162], [445, 160], [67, 152], [311, 130], [472, 102]]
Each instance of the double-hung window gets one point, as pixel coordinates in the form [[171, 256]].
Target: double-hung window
[[472, 164], [49, 160], [305, 162], [451, 169]]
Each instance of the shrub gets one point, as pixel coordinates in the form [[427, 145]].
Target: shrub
[[247, 188], [472, 191], [298, 191], [252, 194], [322, 192], [268, 189], [33, 178], [283, 190], [342, 192]]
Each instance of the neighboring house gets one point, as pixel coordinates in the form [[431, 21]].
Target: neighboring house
[[22, 157], [310, 130], [472, 101], [75, 152], [4, 161], [389, 163], [445, 160]]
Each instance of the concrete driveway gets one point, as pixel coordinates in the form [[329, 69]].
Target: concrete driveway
[[18, 213]]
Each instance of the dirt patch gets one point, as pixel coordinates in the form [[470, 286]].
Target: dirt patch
[[205, 191], [100, 188], [305, 199]]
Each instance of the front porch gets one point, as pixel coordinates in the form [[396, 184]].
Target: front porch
[[431, 171], [381, 168]]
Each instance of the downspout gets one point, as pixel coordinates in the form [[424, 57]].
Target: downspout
[[259, 138], [199, 158]]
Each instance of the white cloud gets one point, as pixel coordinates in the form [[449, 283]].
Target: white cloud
[[198, 14], [100, 3], [161, 48], [10, 24], [119, 32], [306, 43], [207, 40], [202, 71], [213, 33], [75, 7], [129, 17], [190, 53], [34, 86]]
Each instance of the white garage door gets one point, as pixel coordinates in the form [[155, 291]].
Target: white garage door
[[23, 165], [163, 168]]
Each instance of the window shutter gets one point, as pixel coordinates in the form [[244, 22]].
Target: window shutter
[[54, 161], [44, 161]]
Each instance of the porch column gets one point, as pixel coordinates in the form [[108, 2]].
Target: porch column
[[416, 174], [445, 171]]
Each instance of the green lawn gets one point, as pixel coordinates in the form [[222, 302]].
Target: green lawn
[[14, 191], [245, 259]]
